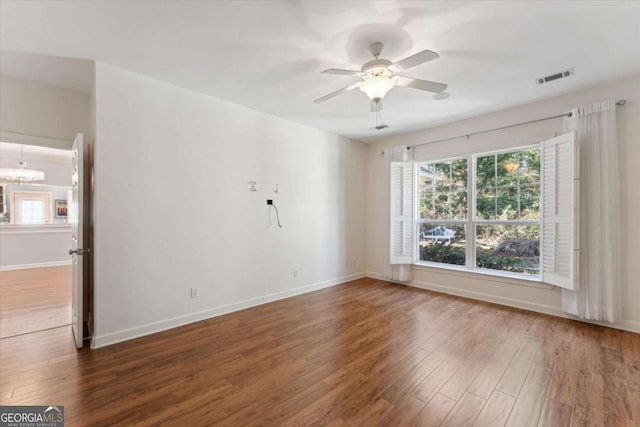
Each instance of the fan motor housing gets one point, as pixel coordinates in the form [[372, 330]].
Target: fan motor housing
[[376, 63]]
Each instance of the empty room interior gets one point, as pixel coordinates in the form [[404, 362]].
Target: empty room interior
[[359, 213]]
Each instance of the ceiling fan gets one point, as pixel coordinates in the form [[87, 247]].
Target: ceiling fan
[[381, 75]]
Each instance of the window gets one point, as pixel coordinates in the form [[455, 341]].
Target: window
[[502, 218], [30, 207], [507, 211], [442, 201], [32, 211], [510, 212]]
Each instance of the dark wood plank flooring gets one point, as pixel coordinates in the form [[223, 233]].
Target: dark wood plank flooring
[[363, 353]]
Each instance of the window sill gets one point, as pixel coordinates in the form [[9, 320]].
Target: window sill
[[502, 277]]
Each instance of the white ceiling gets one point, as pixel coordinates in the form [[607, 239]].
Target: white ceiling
[[268, 55], [13, 153], [67, 73]]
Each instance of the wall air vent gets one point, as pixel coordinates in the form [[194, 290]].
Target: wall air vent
[[556, 76]]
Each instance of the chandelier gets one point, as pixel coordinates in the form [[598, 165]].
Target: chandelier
[[21, 175]]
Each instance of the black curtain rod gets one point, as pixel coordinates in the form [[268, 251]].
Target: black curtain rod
[[468, 135]]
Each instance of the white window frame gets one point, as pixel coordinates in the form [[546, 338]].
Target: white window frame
[[570, 175], [474, 222], [419, 221], [16, 200]]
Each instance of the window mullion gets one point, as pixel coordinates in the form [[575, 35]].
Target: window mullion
[[416, 212], [450, 188], [518, 172], [471, 213], [495, 186]]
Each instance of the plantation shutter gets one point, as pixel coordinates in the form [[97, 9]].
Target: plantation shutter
[[402, 224], [560, 211]]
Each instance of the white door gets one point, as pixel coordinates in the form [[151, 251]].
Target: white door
[[77, 249]]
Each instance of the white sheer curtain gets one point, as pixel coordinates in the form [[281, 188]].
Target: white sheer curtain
[[397, 272], [598, 294]]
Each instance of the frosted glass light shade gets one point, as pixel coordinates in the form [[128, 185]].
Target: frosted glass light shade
[[377, 87]]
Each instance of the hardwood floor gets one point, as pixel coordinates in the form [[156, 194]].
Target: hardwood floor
[[34, 299], [363, 353]]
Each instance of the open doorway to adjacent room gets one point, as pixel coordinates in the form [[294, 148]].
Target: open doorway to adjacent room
[[35, 234]]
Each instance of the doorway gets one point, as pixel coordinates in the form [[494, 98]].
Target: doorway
[[35, 231]]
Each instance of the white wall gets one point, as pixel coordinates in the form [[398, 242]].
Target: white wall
[[173, 207], [29, 246], [41, 114], [506, 291]]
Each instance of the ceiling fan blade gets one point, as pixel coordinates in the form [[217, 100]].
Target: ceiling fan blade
[[422, 84], [413, 60], [339, 72], [337, 92]]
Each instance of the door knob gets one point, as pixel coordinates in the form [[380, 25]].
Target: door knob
[[79, 251]]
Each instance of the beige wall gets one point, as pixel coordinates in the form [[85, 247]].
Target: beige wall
[[39, 114], [173, 209], [507, 291]]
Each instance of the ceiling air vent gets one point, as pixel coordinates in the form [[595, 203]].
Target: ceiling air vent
[[556, 76]]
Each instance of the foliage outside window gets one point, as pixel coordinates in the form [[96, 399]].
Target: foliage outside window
[[442, 188], [498, 227]]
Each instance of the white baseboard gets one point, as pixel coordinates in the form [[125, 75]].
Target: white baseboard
[[481, 296], [162, 325], [626, 325], [36, 265], [381, 277]]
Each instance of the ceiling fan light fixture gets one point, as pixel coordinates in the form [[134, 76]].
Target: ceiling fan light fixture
[[377, 87], [380, 75]]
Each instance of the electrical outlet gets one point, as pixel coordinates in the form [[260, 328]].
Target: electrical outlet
[[194, 292], [295, 272]]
